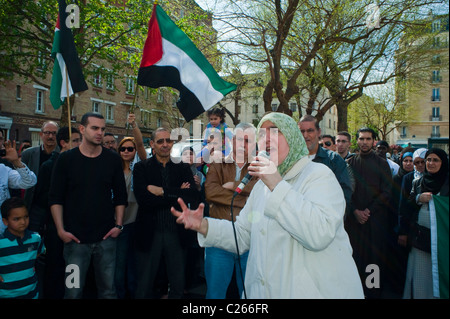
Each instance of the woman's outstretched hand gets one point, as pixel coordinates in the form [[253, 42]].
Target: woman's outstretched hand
[[192, 219]]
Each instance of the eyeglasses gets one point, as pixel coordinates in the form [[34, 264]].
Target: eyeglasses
[[327, 143], [162, 140], [434, 160], [129, 149], [47, 133], [109, 143]]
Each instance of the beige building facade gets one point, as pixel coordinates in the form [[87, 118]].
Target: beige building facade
[[431, 100]]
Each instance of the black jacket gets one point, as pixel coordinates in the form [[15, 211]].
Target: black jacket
[[148, 172]]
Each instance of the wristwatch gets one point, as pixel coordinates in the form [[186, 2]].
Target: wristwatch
[[120, 227]]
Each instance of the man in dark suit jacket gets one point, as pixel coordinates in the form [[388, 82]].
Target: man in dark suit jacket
[[157, 184], [35, 156]]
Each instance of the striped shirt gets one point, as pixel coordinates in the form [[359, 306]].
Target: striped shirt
[[17, 260]]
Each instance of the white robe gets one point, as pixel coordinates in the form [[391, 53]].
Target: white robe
[[296, 238]]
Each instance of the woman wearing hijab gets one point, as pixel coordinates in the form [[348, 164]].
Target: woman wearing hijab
[[299, 248], [433, 182], [405, 209], [399, 258], [406, 166]]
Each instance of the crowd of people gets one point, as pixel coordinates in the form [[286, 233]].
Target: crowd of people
[[275, 211]]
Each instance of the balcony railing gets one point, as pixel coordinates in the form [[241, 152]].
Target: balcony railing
[[435, 118]]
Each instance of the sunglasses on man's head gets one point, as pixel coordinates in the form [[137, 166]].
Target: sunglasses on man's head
[[129, 149]]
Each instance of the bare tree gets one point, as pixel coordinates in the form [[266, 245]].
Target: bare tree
[[306, 47]]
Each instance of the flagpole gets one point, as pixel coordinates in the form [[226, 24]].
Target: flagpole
[[68, 108]]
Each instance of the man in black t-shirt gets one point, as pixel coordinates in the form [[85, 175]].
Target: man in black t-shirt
[[87, 198]]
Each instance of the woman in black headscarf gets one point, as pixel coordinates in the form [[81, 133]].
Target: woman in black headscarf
[[419, 282]]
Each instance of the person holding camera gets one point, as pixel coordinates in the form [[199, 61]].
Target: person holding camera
[[21, 177]]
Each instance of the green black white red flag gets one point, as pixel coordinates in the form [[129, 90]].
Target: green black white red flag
[[171, 59], [439, 226], [66, 60]]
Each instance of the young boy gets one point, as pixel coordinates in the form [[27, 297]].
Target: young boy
[[19, 249]]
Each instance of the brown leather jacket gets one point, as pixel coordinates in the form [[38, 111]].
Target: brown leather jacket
[[219, 198]]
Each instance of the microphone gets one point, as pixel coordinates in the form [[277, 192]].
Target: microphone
[[248, 177]]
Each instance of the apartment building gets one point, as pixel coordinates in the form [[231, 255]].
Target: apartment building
[[431, 99]]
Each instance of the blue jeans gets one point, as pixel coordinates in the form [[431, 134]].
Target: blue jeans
[[219, 266], [103, 254]]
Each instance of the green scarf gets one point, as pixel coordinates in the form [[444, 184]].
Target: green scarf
[[297, 145]]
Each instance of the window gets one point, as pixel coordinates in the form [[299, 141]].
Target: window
[[145, 118], [109, 112], [435, 111], [18, 93], [97, 80], [174, 101], [160, 96], [255, 109], [435, 131], [436, 78], [403, 132], [129, 82], [293, 107], [110, 82], [42, 63], [435, 114], [95, 107], [39, 101], [436, 42], [158, 122], [274, 107], [437, 59], [436, 26], [436, 95], [35, 138]]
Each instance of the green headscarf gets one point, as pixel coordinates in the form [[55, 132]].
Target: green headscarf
[[289, 128]]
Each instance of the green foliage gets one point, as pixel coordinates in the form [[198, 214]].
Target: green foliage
[[109, 40]]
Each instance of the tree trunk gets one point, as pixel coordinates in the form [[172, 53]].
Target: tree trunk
[[267, 97], [342, 112]]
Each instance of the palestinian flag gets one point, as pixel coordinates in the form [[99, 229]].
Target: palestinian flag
[[171, 59], [439, 222], [66, 59]]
